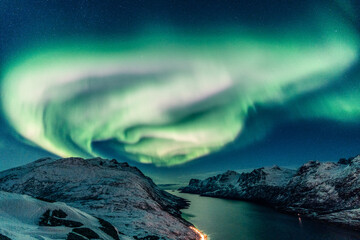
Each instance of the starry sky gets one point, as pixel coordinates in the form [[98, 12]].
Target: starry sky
[[180, 87]]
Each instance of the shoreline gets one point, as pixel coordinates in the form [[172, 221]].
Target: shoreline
[[234, 209]]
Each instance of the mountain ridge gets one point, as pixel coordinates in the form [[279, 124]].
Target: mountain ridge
[[114, 191], [325, 191]]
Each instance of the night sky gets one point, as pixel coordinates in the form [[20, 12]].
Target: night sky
[[180, 88]]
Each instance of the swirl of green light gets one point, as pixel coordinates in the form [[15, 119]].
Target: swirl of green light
[[164, 100]]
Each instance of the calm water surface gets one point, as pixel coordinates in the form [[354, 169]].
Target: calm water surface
[[236, 220]]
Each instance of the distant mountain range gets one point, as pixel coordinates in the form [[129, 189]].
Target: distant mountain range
[[325, 191], [77, 199]]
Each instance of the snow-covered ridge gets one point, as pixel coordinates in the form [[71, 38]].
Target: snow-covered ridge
[[326, 191], [24, 217], [106, 189]]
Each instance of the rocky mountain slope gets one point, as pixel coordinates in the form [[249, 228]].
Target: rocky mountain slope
[[113, 191], [24, 217], [326, 191]]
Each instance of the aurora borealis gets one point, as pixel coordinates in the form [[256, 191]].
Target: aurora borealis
[[171, 93]]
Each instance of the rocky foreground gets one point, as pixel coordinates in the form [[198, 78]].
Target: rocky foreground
[[325, 191], [24, 217], [69, 198]]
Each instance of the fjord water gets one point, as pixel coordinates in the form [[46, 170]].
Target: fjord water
[[226, 219]]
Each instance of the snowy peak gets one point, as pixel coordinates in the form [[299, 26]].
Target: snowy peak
[[262, 176], [107, 189], [272, 176], [230, 177]]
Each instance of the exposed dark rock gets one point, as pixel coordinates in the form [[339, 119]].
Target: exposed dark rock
[[86, 232], [109, 229], [344, 161], [59, 213], [3, 237], [147, 238], [48, 219], [114, 161], [45, 199], [73, 236]]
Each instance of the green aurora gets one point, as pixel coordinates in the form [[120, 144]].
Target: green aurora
[[167, 99]]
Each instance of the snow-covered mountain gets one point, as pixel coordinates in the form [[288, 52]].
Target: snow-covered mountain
[[25, 218], [261, 184], [113, 191], [326, 191]]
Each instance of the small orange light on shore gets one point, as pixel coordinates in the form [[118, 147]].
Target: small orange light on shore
[[202, 236]]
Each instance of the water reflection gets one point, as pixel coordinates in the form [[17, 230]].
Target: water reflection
[[235, 220]]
